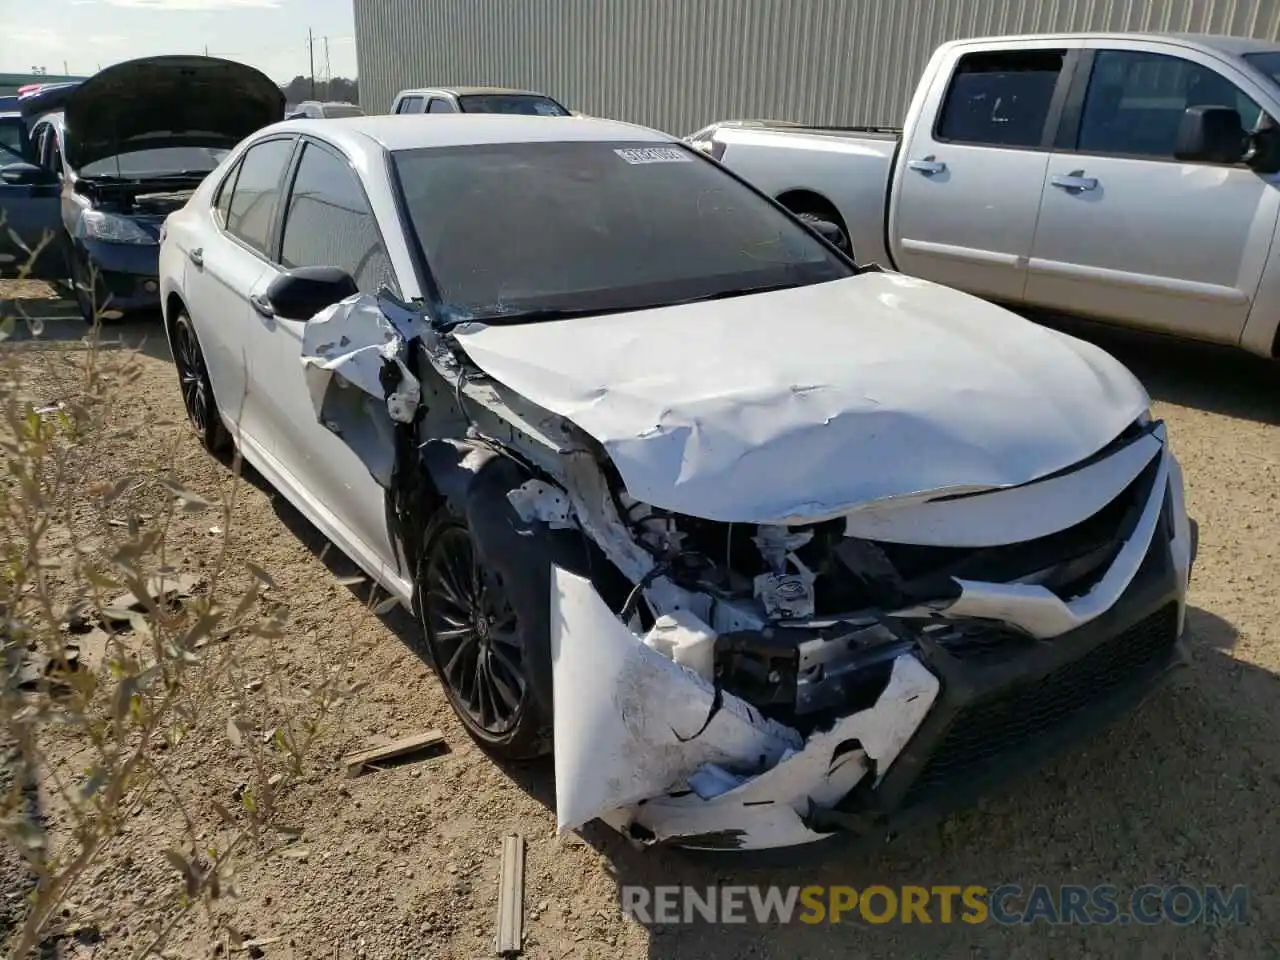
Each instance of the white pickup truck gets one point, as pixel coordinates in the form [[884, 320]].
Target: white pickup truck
[[1129, 178]]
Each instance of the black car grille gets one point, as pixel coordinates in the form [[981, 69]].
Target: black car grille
[[1015, 716]]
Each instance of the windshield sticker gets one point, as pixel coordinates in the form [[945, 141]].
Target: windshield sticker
[[654, 155]]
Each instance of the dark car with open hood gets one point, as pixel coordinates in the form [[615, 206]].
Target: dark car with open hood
[[109, 158]]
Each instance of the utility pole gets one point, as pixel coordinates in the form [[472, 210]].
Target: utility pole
[[311, 48], [328, 74]]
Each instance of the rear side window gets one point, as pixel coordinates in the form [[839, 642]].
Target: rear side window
[[222, 204], [439, 106], [253, 201], [329, 223], [410, 105], [1001, 98]]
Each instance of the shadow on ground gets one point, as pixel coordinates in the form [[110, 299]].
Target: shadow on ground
[[1201, 376]]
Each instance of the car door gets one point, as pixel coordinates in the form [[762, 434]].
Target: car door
[[30, 215], [967, 186], [222, 270], [327, 222], [1129, 233]]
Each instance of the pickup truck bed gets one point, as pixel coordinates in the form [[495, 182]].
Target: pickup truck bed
[[1128, 178]]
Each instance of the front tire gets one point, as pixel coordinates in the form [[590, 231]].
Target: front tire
[[197, 390], [481, 643], [85, 284]]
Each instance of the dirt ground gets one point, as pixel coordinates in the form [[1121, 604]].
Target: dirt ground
[[403, 862]]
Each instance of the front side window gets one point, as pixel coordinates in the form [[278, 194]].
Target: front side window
[[253, 201], [1001, 98], [1135, 102], [329, 223], [13, 141], [596, 226]]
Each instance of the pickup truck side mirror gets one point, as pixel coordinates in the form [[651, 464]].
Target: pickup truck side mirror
[[1211, 135], [301, 293], [27, 175]]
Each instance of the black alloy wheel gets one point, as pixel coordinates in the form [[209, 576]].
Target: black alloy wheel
[[197, 391], [476, 643]]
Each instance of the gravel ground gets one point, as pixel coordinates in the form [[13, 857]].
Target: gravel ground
[[403, 862]]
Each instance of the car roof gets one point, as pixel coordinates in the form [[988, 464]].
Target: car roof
[[473, 91], [416, 130], [1221, 43]]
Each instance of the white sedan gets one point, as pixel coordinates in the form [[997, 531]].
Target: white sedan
[[770, 545]]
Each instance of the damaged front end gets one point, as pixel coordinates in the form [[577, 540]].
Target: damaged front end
[[771, 681]]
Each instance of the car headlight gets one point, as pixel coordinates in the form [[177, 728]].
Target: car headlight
[[112, 228]]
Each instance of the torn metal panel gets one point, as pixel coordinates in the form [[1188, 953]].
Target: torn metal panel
[[769, 810], [1005, 516], [540, 501], [1041, 612], [354, 340], [631, 723], [750, 420]]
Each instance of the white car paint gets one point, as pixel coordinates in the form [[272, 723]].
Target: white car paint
[[718, 409], [745, 410]]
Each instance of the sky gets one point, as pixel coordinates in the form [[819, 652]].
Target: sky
[[86, 35]]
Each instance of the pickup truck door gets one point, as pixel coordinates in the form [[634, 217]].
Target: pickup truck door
[[1129, 234], [970, 175]]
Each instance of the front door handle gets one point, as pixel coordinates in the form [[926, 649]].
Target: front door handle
[[928, 166], [1074, 182], [263, 307], [196, 256]]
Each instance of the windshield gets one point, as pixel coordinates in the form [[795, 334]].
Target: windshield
[[165, 161], [511, 103], [596, 226]]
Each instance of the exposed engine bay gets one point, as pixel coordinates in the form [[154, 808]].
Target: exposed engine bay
[[753, 682], [156, 198]]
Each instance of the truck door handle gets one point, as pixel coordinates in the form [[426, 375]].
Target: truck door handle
[[1075, 181], [196, 256], [259, 303], [928, 166]]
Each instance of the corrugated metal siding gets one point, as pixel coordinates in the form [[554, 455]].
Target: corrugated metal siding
[[680, 64]]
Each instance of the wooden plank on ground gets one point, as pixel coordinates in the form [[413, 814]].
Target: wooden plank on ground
[[357, 762]]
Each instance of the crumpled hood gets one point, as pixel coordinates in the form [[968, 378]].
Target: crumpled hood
[[802, 404], [169, 101]]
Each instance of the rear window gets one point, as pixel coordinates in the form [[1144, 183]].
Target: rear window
[[507, 228], [511, 103], [1001, 98], [333, 110]]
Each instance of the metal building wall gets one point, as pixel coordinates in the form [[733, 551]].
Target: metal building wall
[[680, 64]]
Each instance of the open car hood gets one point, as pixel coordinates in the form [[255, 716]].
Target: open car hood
[[804, 404], [170, 101]]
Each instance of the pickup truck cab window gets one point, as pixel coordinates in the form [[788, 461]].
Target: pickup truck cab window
[[1001, 98], [439, 105], [1136, 100], [409, 105]]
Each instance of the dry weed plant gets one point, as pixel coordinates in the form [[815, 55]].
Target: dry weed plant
[[114, 658]]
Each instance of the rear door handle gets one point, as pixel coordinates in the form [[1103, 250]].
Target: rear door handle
[[260, 304], [928, 166], [1074, 181], [196, 256]]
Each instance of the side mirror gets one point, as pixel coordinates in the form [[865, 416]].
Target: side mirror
[[1211, 135], [26, 175], [301, 293]]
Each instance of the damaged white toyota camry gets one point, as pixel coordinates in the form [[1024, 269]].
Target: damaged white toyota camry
[[770, 546]]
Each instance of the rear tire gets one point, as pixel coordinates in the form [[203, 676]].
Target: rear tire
[[810, 208], [197, 390]]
